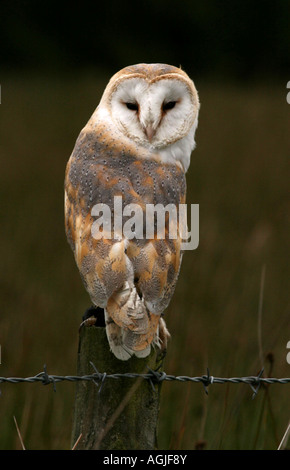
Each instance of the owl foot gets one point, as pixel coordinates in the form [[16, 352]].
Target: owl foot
[[93, 316]]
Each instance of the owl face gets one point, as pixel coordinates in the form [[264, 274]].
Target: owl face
[[154, 109], [153, 114]]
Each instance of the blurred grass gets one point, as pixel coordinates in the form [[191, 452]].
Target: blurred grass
[[239, 177]]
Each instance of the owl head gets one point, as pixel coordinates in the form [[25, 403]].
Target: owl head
[[156, 106]]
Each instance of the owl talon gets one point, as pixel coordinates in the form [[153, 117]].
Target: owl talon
[[93, 316], [91, 321], [161, 354]]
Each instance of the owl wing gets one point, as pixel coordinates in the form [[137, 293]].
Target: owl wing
[[132, 279]]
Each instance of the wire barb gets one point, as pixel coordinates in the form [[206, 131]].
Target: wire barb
[[100, 377], [206, 381], [156, 377], [258, 382], [46, 379]]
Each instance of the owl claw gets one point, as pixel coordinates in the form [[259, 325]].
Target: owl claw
[[93, 316], [161, 355], [91, 321]]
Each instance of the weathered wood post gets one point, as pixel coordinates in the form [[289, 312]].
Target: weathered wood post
[[124, 415]]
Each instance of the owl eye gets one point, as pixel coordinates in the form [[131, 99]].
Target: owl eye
[[168, 105], [132, 106]]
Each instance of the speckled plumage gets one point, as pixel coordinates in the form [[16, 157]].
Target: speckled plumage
[[133, 280]]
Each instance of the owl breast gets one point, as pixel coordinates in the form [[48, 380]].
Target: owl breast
[[98, 171]]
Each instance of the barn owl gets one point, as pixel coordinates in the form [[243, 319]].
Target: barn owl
[[136, 146]]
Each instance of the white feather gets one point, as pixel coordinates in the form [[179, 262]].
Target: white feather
[[174, 130], [181, 150]]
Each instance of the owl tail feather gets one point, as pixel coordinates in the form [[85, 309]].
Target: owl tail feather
[[131, 328]]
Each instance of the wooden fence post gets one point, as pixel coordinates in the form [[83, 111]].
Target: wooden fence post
[[124, 415]]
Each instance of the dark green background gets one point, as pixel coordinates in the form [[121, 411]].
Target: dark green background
[[232, 39]]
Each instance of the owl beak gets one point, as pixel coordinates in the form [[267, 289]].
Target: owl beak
[[150, 132]]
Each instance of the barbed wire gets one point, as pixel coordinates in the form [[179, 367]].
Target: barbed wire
[[153, 376]]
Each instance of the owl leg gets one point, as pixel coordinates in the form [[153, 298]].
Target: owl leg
[[115, 339], [157, 335]]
